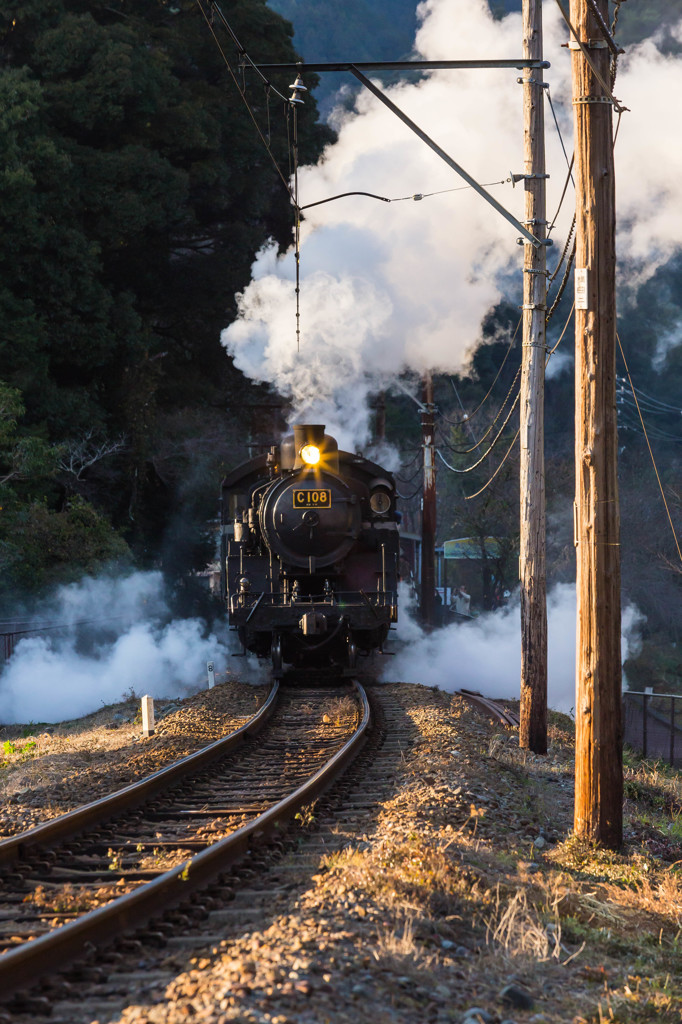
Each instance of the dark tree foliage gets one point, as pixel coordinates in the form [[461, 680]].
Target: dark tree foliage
[[136, 192]]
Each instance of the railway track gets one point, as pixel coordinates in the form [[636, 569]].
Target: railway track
[[493, 708], [78, 882]]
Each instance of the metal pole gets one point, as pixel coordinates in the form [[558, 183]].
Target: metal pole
[[672, 731], [645, 712], [533, 717], [428, 583]]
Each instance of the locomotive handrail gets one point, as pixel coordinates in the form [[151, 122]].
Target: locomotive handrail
[[378, 597]]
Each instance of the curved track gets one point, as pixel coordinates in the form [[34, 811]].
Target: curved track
[[61, 903], [492, 707]]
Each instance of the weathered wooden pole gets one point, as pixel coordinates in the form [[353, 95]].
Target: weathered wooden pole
[[428, 574], [598, 758], [533, 727]]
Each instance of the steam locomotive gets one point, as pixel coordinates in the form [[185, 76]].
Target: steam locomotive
[[309, 559]]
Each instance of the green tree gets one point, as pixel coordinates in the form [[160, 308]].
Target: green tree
[[136, 192]]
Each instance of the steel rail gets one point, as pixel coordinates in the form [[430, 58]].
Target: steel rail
[[21, 967], [97, 811], [491, 706]]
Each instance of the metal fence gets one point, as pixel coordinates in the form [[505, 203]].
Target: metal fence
[[14, 630], [652, 724]]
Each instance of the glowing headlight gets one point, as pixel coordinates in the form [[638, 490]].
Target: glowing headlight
[[310, 454]]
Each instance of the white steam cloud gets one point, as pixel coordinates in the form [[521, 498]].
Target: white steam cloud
[[406, 285], [134, 647], [485, 654]]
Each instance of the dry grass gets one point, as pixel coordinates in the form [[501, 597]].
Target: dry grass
[[514, 925]]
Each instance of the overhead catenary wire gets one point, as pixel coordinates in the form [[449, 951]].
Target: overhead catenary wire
[[416, 196]]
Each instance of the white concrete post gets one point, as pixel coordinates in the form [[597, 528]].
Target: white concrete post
[[147, 716], [211, 674]]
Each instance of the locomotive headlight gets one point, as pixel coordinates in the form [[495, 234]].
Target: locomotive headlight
[[310, 454], [380, 503]]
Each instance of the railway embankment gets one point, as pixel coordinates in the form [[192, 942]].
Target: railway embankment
[[437, 881]]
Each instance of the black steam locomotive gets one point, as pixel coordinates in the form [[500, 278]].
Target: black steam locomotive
[[309, 557]]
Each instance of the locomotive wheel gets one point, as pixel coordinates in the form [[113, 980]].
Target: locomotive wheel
[[276, 655]]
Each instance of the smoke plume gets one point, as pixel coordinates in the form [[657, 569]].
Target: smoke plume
[[116, 637], [387, 287], [485, 654]]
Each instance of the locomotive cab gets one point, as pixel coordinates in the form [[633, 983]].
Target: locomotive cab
[[310, 553]]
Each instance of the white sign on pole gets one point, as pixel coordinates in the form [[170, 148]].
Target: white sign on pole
[[581, 288], [211, 674]]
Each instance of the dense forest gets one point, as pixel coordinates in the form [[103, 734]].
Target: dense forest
[[135, 194]]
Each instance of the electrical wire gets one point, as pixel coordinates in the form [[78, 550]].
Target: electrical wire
[[242, 93], [409, 497], [416, 197], [651, 454], [467, 451], [625, 399], [651, 398], [553, 350], [569, 163], [244, 55], [409, 479], [562, 286], [485, 455], [470, 416], [470, 497]]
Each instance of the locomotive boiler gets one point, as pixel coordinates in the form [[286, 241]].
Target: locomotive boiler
[[309, 559]]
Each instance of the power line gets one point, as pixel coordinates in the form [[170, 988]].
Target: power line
[[485, 455], [241, 91], [653, 460], [470, 416]]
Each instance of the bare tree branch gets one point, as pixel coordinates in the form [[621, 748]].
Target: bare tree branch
[[80, 455]]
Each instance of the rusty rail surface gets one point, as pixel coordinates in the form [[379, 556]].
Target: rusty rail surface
[[495, 710]]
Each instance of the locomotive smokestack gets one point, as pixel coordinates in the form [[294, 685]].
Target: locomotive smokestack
[[306, 433], [309, 435]]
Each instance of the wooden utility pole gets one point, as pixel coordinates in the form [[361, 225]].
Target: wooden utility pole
[[598, 756], [533, 727], [428, 581]]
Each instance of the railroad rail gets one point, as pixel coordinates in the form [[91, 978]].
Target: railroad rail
[[492, 707], [222, 801]]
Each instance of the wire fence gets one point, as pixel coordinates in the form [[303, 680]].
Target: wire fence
[[652, 724], [12, 631]]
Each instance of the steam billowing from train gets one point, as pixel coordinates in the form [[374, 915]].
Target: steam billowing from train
[[389, 287]]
